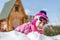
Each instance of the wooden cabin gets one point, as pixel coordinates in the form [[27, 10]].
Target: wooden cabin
[[12, 15]]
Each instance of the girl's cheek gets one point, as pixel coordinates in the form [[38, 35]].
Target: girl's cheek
[[36, 24]]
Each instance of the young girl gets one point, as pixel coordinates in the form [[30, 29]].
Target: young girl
[[37, 24]]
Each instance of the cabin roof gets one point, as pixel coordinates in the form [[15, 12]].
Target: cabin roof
[[6, 9]]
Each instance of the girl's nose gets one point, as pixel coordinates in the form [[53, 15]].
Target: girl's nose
[[41, 24]]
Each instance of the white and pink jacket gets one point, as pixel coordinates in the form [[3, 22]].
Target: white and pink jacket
[[27, 28], [31, 26]]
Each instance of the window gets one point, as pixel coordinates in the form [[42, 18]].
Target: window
[[4, 25], [16, 8]]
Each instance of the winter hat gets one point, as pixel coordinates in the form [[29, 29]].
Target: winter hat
[[41, 14], [42, 11]]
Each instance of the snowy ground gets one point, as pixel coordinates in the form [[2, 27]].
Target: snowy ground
[[14, 35]]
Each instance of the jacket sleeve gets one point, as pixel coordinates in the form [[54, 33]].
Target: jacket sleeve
[[33, 28], [20, 28]]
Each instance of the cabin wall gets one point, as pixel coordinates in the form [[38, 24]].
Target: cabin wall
[[16, 17]]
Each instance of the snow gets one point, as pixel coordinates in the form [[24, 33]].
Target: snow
[[56, 37], [37, 36], [14, 35]]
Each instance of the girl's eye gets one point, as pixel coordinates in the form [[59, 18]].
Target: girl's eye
[[44, 23]]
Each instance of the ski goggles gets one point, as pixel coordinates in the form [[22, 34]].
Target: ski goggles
[[43, 23], [42, 20]]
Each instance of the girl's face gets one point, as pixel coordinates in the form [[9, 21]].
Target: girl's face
[[40, 24]]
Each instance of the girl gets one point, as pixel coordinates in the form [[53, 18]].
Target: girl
[[37, 24]]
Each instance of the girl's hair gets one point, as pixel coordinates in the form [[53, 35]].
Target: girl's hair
[[42, 11]]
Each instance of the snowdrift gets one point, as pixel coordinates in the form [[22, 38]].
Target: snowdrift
[[14, 35]]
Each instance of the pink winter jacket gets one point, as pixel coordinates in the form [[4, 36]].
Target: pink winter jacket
[[27, 28]]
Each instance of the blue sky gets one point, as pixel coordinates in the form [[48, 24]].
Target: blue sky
[[34, 6]]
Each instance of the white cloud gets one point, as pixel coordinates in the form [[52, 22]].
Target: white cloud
[[29, 12], [44, 9]]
